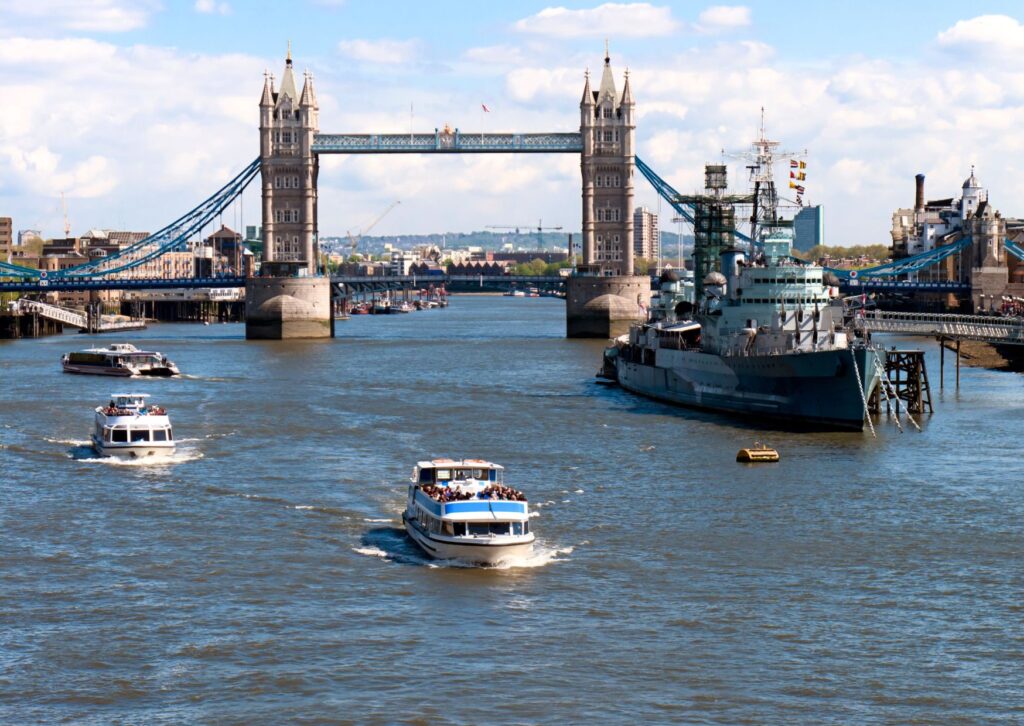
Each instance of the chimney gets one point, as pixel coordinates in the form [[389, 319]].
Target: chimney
[[919, 200]]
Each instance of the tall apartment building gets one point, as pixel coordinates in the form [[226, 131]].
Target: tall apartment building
[[646, 235], [6, 239], [809, 228]]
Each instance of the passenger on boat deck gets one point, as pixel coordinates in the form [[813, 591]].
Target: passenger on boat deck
[[498, 491]]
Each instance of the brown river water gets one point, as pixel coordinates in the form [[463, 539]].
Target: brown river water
[[263, 576]]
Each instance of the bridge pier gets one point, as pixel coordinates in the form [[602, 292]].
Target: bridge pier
[[281, 308], [605, 307]]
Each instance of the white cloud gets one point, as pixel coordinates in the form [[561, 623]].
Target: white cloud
[[985, 34], [381, 51], [210, 7], [112, 16], [495, 55], [635, 20], [723, 17]]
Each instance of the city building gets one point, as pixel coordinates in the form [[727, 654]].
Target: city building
[[646, 235], [26, 236], [6, 239], [402, 262], [809, 228], [984, 264]]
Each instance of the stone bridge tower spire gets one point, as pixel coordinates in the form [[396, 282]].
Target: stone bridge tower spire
[[289, 299], [608, 130], [604, 296], [288, 124]]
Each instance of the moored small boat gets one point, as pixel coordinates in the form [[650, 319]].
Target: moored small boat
[[462, 510]]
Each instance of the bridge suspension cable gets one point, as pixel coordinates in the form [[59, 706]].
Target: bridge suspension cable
[[907, 264], [174, 236]]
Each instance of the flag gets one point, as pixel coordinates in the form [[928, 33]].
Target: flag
[[803, 164], [486, 110], [792, 175], [792, 164], [792, 185], [799, 177], [799, 189]]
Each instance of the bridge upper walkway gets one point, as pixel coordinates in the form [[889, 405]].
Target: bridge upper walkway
[[987, 328], [442, 143]]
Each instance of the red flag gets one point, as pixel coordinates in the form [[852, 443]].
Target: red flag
[[486, 110]]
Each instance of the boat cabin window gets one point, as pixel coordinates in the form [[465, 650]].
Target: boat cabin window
[[160, 434], [120, 436], [426, 476], [140, 435], [517, 528], [484, 529], [106, 434], [460, 529], [444, 474]]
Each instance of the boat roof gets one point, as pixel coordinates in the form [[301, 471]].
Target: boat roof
[[682, 327], [129, 395], [453, 463], [115, 349]]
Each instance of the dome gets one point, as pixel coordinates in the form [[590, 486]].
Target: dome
[[715, 278], [972, 182], [616, 307]]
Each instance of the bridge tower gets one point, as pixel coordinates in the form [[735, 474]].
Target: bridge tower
[[604, 296], [289, 121], [289, 299]]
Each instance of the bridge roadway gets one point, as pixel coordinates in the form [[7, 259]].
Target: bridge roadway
[[70, 284], [986, 328]]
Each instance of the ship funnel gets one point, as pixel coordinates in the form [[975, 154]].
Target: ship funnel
[[919, 198], [732, 260]]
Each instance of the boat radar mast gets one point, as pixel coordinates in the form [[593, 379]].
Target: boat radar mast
[[760, 158]]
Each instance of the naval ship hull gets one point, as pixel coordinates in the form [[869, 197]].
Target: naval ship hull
[[818, 390]]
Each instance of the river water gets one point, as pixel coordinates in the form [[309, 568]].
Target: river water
[[263, 575]]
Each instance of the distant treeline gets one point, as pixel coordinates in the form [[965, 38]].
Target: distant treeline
[[875, 252]]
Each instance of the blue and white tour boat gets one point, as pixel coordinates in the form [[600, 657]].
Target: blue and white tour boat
[[463, 510]]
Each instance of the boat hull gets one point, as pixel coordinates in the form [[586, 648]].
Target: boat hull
[[98, 370], [147, 451], [807, 390], [478, 553]]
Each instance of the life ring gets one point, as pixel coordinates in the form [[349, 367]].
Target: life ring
[[853, 274]]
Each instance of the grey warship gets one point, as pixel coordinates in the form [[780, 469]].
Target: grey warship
[[766, 339]]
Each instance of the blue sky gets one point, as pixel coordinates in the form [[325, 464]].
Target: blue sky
[[137, 109]]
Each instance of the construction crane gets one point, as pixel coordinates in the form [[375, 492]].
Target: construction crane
[[67, 224], [539, 229], [354, 239]]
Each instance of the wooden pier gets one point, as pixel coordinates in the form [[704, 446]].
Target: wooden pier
[[908, 385]]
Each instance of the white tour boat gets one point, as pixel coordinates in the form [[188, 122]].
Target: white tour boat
[[462, 510], [120, 359], [129, 428]]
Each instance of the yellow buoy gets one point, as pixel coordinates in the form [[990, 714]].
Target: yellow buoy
[[757, 453]]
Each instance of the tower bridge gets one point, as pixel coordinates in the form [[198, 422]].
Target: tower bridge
[[604, 296]]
